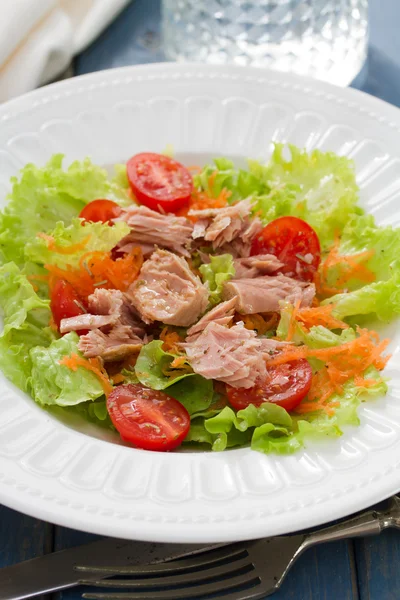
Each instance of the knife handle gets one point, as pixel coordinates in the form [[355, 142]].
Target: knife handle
[[368, 523]]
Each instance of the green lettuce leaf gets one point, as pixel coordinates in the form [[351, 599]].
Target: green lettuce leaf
[[153, 369], [381, 298], [317, 187], [101, 237], [26, 318], [326, 189], [41, 197], [214, 274], [361, 234], [94, 412], [270, 429], [52, 383]]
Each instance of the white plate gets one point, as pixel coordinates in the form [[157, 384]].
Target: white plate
[[64, 476]]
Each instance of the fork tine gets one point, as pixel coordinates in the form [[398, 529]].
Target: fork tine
[[236, 584], [178, 579], [195, 562]]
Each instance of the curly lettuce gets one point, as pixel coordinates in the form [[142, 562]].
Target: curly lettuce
[[55, 384], [25, 324], [43, 196], [215, 273], [90, 237], [270, 429], [319, 187]]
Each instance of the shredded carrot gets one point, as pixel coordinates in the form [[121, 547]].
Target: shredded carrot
[[194, 169], [342, 363], [170, 340], [179, 362], [99, 269], [118, 378], [319, 315], [71, 249], [261, 323], [292, 321], [200, 200], [352, 267], [94, 365]]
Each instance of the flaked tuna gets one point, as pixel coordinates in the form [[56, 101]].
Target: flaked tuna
[[150, 228], [265, 294], [222, 314], [167, 291], [232, 355], [230, 229]]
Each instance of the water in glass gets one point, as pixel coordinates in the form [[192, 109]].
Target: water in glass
[[326, 39]]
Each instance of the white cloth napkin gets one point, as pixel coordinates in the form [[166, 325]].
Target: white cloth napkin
[[38, 38]]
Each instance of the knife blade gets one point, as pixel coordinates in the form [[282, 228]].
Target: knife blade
[[57, 571]]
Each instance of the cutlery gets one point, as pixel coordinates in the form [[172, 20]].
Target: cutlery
[[245, 571], [58, 571], [238, 571]]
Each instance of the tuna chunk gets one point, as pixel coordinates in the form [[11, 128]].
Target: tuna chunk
[[232, 228], [115, 332], [232, 355], [264, 294], [150, 229], [167, 291], [119, 343], [221, 314], [253, 266]]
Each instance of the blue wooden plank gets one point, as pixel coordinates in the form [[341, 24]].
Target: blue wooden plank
[[22, 537], [377, 563], [323, 573]]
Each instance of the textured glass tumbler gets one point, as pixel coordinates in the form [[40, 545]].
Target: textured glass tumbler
[[326, 39]]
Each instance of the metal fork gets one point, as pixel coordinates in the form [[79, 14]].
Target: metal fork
[[242, 571]]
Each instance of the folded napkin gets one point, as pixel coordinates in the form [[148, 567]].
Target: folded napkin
[[38, 38]]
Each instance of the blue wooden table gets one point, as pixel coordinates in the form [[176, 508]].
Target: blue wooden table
[[366, 569]]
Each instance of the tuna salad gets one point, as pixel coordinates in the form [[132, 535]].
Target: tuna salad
[[209, 306]]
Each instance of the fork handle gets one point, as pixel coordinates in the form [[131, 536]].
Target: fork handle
[[368, 523]]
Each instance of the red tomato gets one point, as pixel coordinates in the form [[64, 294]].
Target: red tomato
[[286, 385], [294, 242], [147, 418], [100, 211], [159, 182], [65, 302]]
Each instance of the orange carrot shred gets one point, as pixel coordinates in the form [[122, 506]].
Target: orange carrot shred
[[94, 365], [170, 340], [98, 269], [352, 266], [292, 322], [71, 249], [319, 315], [342, 363]]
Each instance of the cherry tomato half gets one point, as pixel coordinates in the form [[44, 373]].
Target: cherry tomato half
[[294, 242], [159, 182], [102, 211], [286, 385], [148, 418], [65, 302]]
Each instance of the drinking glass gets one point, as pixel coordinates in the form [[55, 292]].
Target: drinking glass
[[326, 39]]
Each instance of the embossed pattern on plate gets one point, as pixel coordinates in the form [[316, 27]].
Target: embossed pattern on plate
[[61, 474]]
